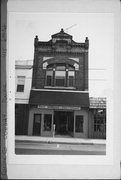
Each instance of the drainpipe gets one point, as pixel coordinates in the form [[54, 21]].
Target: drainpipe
[[88, 124], [74, 125]]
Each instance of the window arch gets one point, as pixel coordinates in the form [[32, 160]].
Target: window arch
[[60, 75]]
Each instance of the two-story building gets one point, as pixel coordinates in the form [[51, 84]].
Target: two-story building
[[23, 79], [59, 97]]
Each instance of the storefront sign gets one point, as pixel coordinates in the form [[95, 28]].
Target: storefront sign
[[59, 107]]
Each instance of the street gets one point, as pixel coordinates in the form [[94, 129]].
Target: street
[[41, 148]]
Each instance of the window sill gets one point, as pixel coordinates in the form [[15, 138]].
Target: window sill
[[19, 91]]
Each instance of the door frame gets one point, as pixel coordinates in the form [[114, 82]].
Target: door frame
[[34, 115]]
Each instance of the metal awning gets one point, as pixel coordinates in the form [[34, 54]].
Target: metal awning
[[59, 98]]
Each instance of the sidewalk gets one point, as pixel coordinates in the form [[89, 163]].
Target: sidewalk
[[59, 140]]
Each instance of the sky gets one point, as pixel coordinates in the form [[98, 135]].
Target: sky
[[98, 27]]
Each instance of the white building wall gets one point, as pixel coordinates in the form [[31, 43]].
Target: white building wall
[[23, 68]]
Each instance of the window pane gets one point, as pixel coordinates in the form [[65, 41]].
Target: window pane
[[60, 78], [79, 123], [49, 81], [47, 122], [71, 78], [20, 88], [60, 73], [49, 75], [71, 81], [99, 122], [60, 81], [20, 83], [71, 73]]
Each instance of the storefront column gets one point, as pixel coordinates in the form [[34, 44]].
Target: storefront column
[[52, 127], [30, 124], [42, 124], [66, 76], [74, 126]]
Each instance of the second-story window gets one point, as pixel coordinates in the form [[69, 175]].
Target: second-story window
[[49, 77], [60, 75], [71, 77], [20, 83], [60, 78]]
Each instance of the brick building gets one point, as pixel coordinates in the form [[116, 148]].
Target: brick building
[[59, 97]]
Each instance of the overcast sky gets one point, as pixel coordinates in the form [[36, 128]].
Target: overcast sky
[[99, 28]]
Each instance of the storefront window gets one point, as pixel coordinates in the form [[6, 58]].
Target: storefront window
[[79, 123], [47, 122], [100, 121]]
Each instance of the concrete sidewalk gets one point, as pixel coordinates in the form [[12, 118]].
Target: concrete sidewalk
[[59, 140]]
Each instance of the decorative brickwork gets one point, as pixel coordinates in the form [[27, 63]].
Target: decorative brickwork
[[61, 49]]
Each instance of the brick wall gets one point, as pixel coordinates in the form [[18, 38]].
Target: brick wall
[[60, 56]]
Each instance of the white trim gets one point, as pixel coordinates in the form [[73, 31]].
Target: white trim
[[59, 90], [23, 66], [74, 59]]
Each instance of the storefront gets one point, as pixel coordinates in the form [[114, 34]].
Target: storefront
[[52, 113]]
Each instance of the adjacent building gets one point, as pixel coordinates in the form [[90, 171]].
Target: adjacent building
[[57, 101], [23, 79]]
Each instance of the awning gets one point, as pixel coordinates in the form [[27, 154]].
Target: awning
[[58, 98]]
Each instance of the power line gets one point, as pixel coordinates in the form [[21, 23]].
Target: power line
[[74, 78]]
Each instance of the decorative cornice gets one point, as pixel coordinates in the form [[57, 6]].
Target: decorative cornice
[[68, 52]]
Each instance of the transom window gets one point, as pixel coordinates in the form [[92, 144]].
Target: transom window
[[60, 75]]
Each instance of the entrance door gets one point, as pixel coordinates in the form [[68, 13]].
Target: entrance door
[[37, 124], [63, 121]]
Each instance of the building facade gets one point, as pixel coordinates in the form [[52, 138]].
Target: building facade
[[59, 98], [23, 79], [97, 117]]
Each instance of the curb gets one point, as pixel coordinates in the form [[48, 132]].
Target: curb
[[57, 142]]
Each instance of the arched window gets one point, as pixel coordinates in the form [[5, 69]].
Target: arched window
[[60, 75]]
